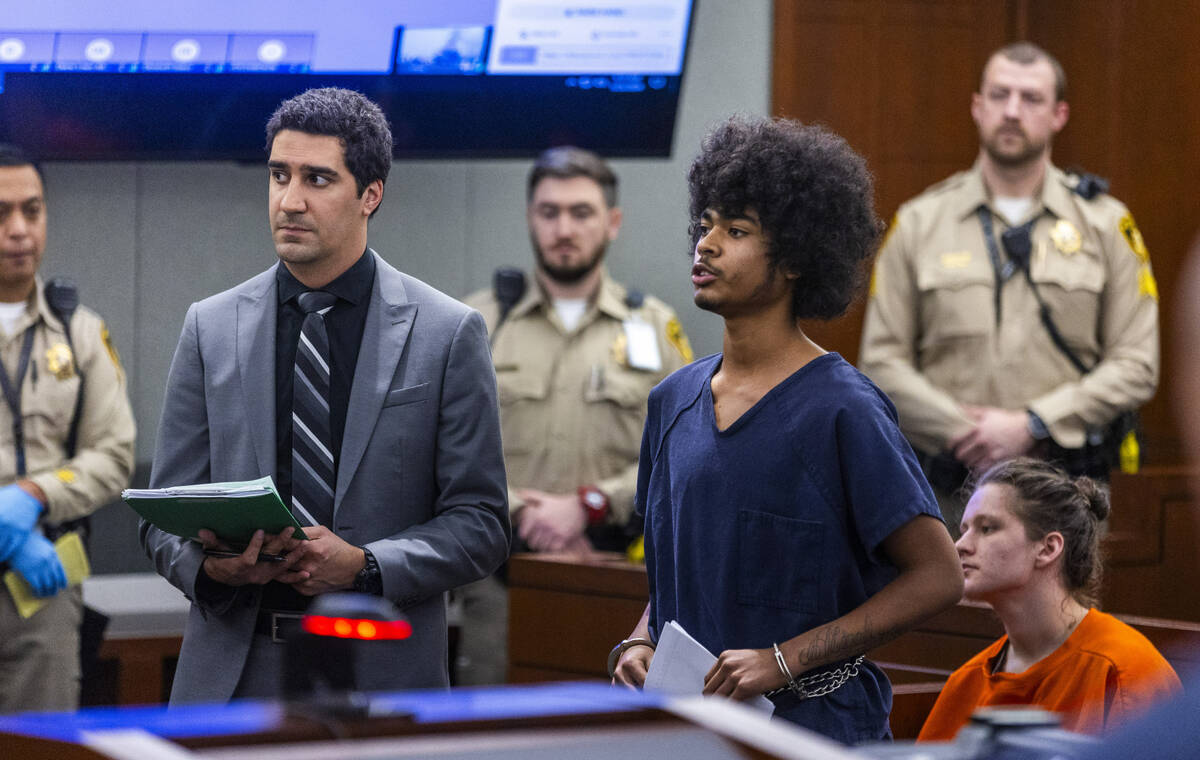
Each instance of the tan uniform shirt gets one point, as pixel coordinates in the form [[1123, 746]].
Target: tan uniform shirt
[[932, 338], [104, 454], [571, 406]]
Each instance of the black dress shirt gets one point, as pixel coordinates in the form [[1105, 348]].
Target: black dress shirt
[[345, 322]]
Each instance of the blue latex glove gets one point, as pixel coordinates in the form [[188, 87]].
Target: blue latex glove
[[18, 514], [38, 564]]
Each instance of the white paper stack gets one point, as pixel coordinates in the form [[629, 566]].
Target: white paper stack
[[244, 488], [680, 664]]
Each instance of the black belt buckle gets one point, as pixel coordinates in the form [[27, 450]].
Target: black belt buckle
[[288, 621]]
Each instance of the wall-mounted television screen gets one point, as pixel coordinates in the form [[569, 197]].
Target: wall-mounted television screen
[[197, 79]]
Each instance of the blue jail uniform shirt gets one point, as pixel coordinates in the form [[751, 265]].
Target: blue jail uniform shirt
[[773, 526]]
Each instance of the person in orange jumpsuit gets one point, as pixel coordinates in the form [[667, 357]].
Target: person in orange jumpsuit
[[1030, 549]]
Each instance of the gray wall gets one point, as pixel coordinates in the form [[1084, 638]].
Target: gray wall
[[144, 240]]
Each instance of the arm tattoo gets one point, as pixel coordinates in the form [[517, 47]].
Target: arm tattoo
[[831, 642]]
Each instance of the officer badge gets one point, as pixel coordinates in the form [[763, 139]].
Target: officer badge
[[620, 350], [1066, 238], [59, 361]]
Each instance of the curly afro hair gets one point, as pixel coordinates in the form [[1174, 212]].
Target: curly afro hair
[[814, 198]]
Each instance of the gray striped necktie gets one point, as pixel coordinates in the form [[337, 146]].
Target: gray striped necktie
[[313, 468]]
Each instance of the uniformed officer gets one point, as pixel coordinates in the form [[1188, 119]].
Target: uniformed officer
[[66, 447], [576, 354], [1013, 309]]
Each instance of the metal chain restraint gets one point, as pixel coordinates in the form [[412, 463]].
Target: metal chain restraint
[[820, 684]]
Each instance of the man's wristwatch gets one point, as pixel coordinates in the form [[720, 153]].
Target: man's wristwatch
[[595, 504], [369, 580]]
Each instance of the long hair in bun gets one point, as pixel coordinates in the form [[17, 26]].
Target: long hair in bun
[[1047, 499]]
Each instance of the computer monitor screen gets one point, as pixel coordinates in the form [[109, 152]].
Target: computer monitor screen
[[198, 79]]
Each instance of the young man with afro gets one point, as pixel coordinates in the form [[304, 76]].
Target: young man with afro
[[788, 525]]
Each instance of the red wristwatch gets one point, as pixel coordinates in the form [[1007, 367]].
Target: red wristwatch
[[595, 504]]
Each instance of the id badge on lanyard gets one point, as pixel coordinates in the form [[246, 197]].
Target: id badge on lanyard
[[642, 345]]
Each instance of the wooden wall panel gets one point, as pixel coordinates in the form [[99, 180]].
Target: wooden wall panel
[[567, 612], [1151, 563], [895, 78], [1131, 69]]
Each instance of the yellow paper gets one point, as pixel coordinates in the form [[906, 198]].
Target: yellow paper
[[74, 560]]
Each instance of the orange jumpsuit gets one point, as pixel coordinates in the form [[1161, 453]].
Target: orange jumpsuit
[[1103, 675]]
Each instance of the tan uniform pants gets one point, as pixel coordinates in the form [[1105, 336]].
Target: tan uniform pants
[[39, 655]]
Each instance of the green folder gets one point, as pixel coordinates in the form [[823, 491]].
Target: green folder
[[233, 511]]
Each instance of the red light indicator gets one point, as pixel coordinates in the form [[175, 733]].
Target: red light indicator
[[352, 628]]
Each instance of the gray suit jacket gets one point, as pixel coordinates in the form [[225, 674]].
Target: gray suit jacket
[[420, 478]]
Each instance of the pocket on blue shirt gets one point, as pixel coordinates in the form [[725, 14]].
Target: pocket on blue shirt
[[780, 561]]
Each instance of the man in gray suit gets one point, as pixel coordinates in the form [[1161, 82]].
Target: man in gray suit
[[367, 394]]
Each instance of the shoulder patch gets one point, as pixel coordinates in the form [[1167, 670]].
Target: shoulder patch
[[106, 336], [891, 228], [677, 338], [1133, 236], [1147, 285]]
